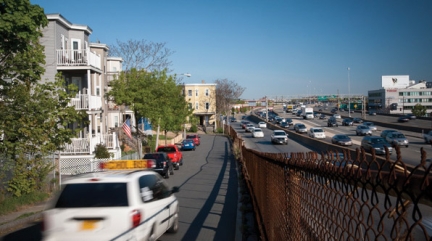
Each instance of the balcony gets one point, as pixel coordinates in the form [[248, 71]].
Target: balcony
[[85, 146], [86, 102], [80, 57]]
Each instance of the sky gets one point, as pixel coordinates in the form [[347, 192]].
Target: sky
[[274, 48]]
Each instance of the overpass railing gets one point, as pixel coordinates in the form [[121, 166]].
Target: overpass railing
[[336, 195]]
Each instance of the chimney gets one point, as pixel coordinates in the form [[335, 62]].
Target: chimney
[[202, 81]]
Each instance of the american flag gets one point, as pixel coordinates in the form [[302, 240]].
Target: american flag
[[127, 129]]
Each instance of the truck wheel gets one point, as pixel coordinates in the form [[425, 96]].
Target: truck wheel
[[167, 174]]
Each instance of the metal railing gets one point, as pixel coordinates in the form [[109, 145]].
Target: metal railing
[[328, 196]]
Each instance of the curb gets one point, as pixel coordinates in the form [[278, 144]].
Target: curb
[[19, 223]]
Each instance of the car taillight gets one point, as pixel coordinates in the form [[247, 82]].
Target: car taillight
[[164, 164], [102, 165], [151, 164], [136, 218]]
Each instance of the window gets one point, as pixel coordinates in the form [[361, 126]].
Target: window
[[196, 92], [207, 92], [189, 92], [196, 105], [207, 105], [190, 106]]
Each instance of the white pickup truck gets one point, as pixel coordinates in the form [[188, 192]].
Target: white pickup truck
[[428, 137]]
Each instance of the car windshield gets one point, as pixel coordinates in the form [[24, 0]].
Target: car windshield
[[342, 137], [398, 136], [167, 149], [258, 130], [377, 140], [318, 130], [301, 126], [363, 127], [279, 133]]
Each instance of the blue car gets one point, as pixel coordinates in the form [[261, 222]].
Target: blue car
[[188, 144]]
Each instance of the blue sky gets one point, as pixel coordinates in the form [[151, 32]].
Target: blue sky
[[272, 48]]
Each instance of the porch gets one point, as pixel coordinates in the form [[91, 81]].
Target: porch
[[86, 102], [82, 146], [78, 57]]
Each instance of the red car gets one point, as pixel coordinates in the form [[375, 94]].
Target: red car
[[195, 138], [173, 153]]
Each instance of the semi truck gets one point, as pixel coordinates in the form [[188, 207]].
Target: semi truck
[[307, 113]]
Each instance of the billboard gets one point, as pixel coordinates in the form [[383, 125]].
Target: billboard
[[395, 81]]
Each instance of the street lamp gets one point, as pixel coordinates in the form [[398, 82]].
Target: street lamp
[[184, 126], [349, 93]]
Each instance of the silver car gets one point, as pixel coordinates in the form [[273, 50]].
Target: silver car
[[300, 128], [363, 130], [397, 139], [371, 125]]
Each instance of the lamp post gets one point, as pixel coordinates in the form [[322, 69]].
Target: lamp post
[[349, 94], [184, 126]]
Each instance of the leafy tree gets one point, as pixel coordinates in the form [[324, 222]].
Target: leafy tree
[[142, 54], [227, 92], [419, 110]]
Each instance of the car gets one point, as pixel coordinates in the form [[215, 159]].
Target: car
[[376, 143], [188, 144], [195, 138], [332, 121], [403, 119], [284, 124], [341, 139], [133, 204], [300, 128], [289, 121], [372, 113], [299, 113], [371, 125], [278, 119], [257, 132], [279, 137], [357, 120], [173, 153], [162, 165], [363, 130], [385, 132], [334, 111], [244, 123], [347, 122], [337, 116], [397, 139], [262, 124], [411, 116], [233, 119], [249, 128], [244, 117], [317, 132], [322, 117]]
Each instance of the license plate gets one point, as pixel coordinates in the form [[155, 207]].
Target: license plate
[[88, 225]]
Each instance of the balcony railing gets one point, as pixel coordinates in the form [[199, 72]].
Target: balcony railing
[[80, 57], [87, 145], [86, 102]]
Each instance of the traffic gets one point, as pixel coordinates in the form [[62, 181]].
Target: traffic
[[351, 132]]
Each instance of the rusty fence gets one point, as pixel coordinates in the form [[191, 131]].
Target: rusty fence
[[336, 196]]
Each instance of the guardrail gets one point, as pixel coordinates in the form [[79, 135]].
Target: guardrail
[[323, 196]]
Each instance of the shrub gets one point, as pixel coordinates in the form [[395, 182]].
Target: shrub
[[193, 128], [101, 151]]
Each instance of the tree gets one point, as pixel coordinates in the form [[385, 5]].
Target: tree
[[419, 110], [154, 95], [227, 92], [142, 54]]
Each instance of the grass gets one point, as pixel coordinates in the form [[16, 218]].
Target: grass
[[11, 204]]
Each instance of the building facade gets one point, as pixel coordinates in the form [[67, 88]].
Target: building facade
[[401, 99], [201, 97], [68, 51]]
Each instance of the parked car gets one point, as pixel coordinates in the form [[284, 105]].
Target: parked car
[[385, 132], [403, 119], [279, 137], [362, 130], [262, 124], [376, 143], [103, 205], [332, 121], [233, 119], [371, 125], [188, 144], [397, 139], [347, 122], [195, 138], [357, 120], [257, 132], [163, 164], [300, 128], [173, 153], [341, 139], [317, 132]]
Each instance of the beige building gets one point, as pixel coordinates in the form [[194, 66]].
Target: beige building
[[201, 97]]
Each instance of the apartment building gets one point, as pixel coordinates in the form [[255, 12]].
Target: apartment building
[[84, 64], [201, 97]]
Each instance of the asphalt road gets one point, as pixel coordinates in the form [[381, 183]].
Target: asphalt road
[[208, 195]]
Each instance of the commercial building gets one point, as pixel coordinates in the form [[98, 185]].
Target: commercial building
[[399, 95]]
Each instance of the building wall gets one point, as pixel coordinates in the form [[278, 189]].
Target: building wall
[[199, 96]]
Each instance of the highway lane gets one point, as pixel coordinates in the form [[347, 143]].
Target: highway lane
[[410, 156]]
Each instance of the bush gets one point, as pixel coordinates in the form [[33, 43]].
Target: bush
[[101, 151], [193, 128], [219, 130]]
